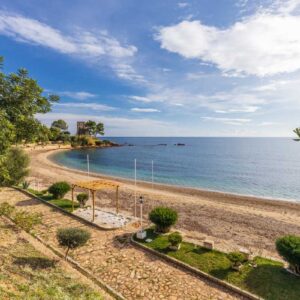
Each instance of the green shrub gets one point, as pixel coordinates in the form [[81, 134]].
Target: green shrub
[[82, 199], [6, 209], [163, 218], [27, 220], [175, 238], [25, 185], [98, 143], [237, 258], [59, 189], [72, 238], [13, 167], [289, 248]]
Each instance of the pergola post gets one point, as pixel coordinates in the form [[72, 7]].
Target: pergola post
[[73, 197], [93, 196], [117, 199]]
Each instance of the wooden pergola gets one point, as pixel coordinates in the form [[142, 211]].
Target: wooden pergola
[[93, 187]]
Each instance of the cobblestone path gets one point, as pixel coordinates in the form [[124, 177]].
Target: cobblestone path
[[110, 257]]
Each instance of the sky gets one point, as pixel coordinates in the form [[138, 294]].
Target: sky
[[161, 68]]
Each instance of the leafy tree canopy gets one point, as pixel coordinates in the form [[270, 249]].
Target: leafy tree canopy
[[61, 124], [94, 128], [21, 98], [297, 131]]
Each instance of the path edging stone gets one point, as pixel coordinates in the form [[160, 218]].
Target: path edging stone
[[195, 271]]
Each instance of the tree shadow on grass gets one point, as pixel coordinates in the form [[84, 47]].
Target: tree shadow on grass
[[35, 262], [273, 282]]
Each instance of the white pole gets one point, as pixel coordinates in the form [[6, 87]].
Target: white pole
[[88, 168], [141, 216], [152, 173], [135, 188], [88, 164]]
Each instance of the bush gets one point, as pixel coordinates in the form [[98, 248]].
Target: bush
[[72, 237], [90, 141], [27, 220], [163, 218], [59, 189], [13, 167], [175, 238], [82, 199], [289, 248], [237, 258], [98, 143], [6, 209], [25, 185]]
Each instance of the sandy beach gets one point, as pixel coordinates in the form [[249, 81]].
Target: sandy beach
[[232, 221]]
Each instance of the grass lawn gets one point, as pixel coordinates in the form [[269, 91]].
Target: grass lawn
[[27, 274], [268, 280], [62, 203]]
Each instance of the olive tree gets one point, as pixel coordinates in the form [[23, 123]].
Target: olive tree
[[289, 248], [72, 238]]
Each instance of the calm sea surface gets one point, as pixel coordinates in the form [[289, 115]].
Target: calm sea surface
[[268, 167]]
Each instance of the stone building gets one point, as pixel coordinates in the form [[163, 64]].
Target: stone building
[[81, 129]]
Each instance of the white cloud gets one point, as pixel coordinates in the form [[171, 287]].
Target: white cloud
[[96, 47], [84, 105], [77, 95], [237, 100], [264, 44], [246, 109], [229, 121], [140, 99], [145, 110], [182, 4]]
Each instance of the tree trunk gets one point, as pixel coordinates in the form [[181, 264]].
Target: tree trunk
[[67, 252], [297, 269]]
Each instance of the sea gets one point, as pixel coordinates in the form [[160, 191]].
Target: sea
[[263, 167]]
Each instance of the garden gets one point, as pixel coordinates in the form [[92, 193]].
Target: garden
[[55, 195], [261, 276]]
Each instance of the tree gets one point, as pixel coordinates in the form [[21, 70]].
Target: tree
[[59, 189], [100, 128], [44, 134], [21, 99], [289, 248], [163, 218], [28, 130], [82, 198], [7, 132], [61, 124], [94, 128], [91, 126], [13, 167], [297, 131], [72, 238]]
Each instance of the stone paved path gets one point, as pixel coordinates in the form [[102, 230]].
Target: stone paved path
[[133, 273]]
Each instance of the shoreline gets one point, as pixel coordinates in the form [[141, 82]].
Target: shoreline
[[170, 187], [232, 221]]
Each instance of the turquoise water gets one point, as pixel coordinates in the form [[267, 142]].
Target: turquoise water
[[266, 167]]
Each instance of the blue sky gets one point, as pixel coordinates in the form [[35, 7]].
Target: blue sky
[[162, 68]]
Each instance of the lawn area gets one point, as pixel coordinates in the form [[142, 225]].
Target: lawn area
[[268, 280], [65, 204], [25, 273]]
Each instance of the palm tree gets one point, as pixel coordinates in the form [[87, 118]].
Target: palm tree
[[297, 131]]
